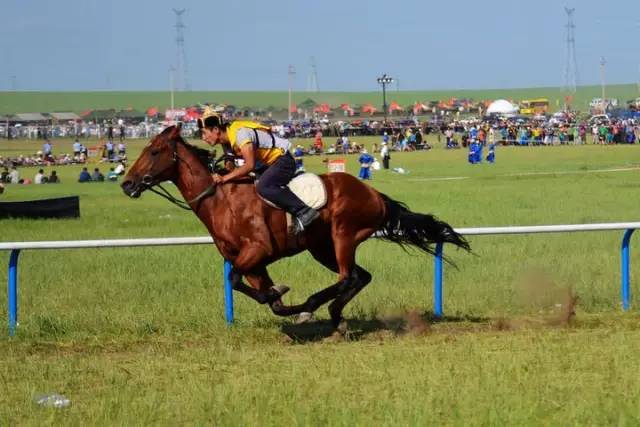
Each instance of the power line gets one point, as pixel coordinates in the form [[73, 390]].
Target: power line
[[182, 74]]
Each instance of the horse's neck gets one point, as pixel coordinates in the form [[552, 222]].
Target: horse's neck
[[193, 177]]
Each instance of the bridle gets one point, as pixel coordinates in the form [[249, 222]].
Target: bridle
[[148, 181]]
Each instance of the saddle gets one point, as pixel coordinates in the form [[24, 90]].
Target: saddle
[[309, 188]]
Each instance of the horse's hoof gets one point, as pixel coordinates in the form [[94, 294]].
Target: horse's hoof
[[281, 289], [342, 327], [304, 317]]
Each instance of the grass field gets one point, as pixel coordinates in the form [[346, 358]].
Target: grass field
[[23, 102], [137, 336]]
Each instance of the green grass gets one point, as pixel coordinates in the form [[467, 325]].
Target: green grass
[[137, 336], [24, 101]]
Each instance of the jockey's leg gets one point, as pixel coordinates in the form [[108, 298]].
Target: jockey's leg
[[273, 187]]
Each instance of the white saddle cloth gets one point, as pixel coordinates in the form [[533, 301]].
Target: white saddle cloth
[[310, 189]]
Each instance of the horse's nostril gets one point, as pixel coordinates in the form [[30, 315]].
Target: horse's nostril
[[127, 187]]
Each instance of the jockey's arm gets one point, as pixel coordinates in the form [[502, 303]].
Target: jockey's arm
[[248, 152]]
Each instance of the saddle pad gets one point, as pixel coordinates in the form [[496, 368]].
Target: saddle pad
[[310, 189]]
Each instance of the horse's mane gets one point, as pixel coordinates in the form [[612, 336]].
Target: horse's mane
[[204, 156]]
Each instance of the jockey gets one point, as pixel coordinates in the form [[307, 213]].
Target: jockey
[[263, 151]]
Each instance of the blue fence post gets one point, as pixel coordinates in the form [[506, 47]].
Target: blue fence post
[[437, 282], [626, 286], [228, 293], [12, 291]]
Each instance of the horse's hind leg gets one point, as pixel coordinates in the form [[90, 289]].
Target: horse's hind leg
[[353, 279], [349, 289]]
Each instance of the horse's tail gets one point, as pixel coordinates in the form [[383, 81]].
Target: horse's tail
[[404, 227]]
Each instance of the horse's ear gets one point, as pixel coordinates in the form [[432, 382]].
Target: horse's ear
[[175, 132]]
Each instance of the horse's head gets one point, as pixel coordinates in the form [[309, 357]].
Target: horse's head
[[158, 162]]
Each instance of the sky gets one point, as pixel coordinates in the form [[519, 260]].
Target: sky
[[81, 45]]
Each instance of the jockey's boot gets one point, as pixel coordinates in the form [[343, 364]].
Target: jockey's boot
[[303, 218]]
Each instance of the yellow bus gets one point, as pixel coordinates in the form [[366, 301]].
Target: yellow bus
[[534, 106]]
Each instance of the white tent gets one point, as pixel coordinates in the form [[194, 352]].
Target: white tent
[[502, 107]]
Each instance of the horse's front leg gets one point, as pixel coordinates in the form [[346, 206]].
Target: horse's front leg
[[247, 264]]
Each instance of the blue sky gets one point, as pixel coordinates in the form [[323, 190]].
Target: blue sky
[[247, 45]]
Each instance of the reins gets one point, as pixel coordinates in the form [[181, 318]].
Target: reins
[[164, 193]]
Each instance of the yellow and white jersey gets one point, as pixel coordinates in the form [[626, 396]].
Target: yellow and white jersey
[[269, 147]]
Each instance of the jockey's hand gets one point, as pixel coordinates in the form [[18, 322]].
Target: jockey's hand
[[218, 179]]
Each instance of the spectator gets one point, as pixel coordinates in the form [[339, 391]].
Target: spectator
[[317, 143], [77, 148], [46, 150], [53, 178], [112, 175], [84, 176], [297, 155], [109, 149], [97, 176], [120, 169], [40, 178], [121, 124], [14, 175], [365, 161], [4, 176], [122, 149], [384, 152]]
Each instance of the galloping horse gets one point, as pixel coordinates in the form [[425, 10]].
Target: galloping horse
[[251, 234]]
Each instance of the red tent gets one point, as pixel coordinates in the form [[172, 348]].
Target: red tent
[[394, 107], [368, 108], [322, 108], [153, 111], [294, 108]]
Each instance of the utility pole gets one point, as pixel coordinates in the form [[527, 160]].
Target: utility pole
[[313, 77], [291, 72], [571, 65], [172, 84], [602, 84]]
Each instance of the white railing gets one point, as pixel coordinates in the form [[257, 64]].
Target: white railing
[[16, 247]]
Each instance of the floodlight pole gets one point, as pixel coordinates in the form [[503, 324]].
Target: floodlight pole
[[384, 80], [291, 72]]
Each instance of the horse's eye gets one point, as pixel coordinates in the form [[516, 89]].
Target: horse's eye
[[155, 152]]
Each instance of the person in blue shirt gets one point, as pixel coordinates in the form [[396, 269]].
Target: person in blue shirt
[[472, 152], [77, 148], [297, 156], [85, 176], [385, 138], [491, 157], [365, 165], [46, 150], [110, 149]]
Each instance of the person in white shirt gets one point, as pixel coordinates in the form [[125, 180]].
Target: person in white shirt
[[119, 170], [39, 178], [14, 175]]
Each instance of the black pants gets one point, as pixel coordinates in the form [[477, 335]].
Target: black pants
[[273, 185], [385, 162]]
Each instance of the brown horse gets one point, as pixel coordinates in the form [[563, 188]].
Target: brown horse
[[251, 234]]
